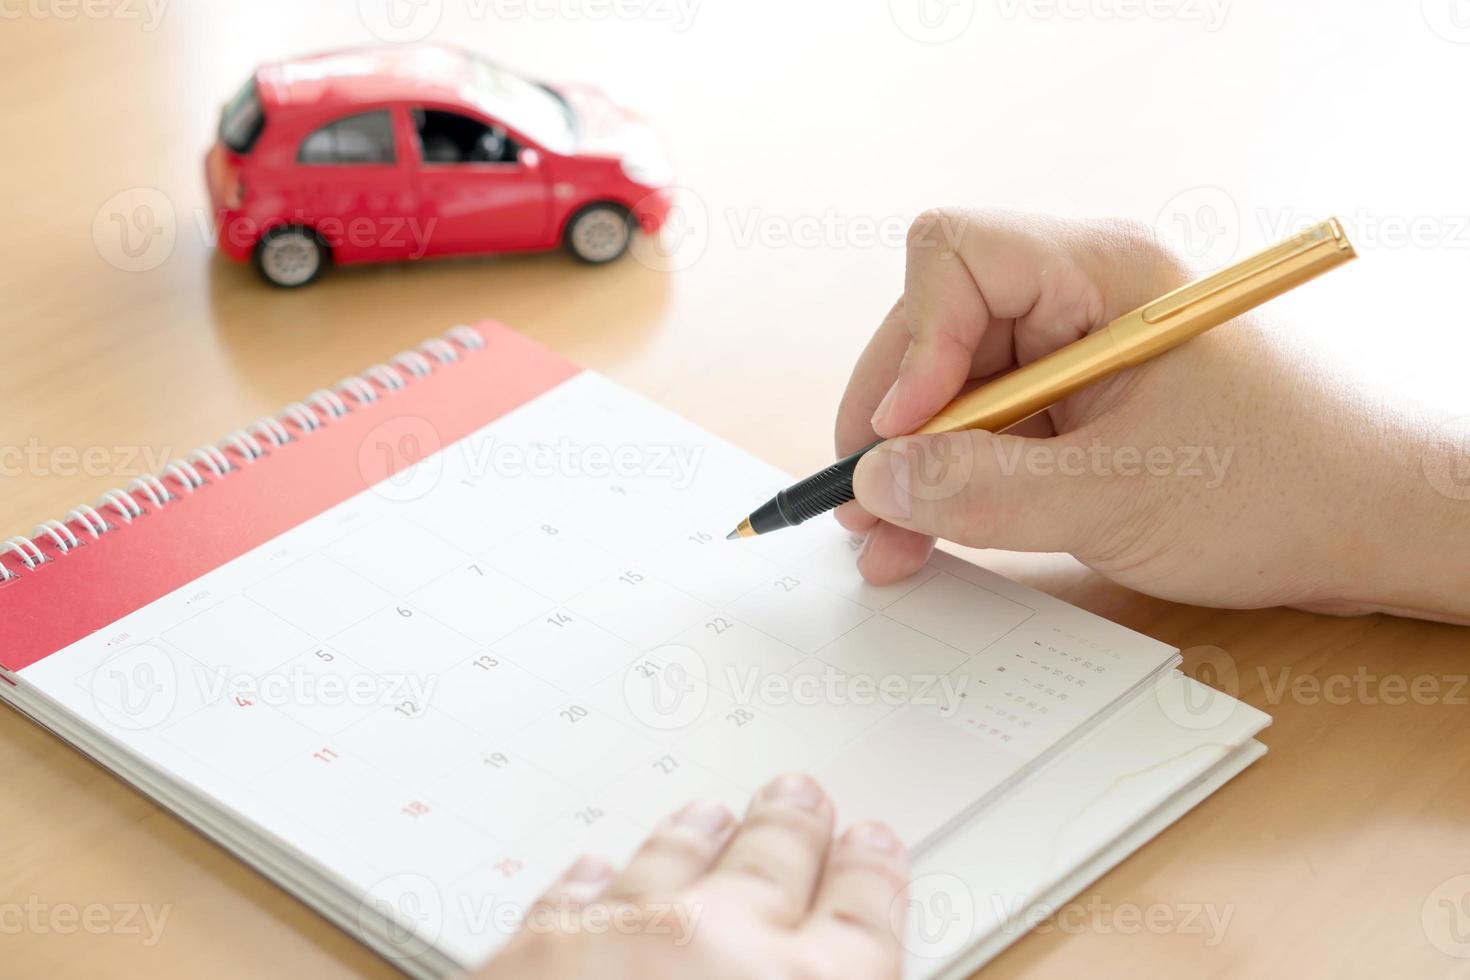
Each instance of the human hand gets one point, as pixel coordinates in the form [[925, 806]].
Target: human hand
[[709, 896], [1233, 471]]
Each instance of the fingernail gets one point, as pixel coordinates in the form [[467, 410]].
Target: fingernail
[[589, 870], [872, 837], [710, 819], [881, 483], [885, 407], [798, 790]]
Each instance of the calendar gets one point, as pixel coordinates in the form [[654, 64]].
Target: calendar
[[420, 640]]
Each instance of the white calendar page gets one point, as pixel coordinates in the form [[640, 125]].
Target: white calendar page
[[537, 643]]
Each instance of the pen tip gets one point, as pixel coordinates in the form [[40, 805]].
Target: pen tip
[[743, 531]]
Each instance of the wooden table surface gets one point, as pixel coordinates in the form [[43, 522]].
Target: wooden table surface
[[806, 138]]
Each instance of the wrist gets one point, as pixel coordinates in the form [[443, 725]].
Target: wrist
[[1407, 547]]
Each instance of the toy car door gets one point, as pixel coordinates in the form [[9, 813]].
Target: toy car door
[[480, 188], [359, 187]]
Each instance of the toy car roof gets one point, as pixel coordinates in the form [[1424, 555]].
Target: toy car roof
[[364, 75]]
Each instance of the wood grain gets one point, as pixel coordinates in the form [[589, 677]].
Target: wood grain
[[788, 122]]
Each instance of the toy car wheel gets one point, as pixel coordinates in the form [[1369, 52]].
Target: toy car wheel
[[599, 233], [290, 257]]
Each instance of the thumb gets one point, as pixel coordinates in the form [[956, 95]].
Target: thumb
[[988, 491]]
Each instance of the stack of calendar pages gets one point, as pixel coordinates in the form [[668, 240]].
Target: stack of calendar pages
[[417, 642]]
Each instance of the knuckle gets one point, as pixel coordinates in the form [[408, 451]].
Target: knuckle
[[1128, 231], [931, 224], [865, 904], [859, 919], [757, 868], [873, 873], [776, 822], [1139, 242], [1127, 235], [679, 844], [664, 850], [756, 881], [1081, 298]]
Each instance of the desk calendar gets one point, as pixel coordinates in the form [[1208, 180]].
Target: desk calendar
[[416, 643]]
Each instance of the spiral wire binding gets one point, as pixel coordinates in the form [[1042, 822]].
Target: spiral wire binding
[[181, 477]]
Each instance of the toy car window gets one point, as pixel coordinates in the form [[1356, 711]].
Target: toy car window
[[242, 120], [535, 111], [363, 138], [449, 137]]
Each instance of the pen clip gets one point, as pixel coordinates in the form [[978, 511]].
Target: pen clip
[[1326, 244]]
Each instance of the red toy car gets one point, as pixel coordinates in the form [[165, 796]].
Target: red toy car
[[403, 152]]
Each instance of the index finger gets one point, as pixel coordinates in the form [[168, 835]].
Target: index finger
[[872, 376], [969, 277]]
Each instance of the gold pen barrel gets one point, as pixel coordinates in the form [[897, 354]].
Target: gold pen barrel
[[1025, 391], [1147, 331], [1190, 310]]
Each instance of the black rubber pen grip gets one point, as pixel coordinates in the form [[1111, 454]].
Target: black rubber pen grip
[[815, 495]]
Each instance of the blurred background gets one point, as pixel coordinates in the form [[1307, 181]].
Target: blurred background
[[805, 136]]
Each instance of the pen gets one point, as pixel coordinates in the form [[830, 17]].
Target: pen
[[1132, 339]]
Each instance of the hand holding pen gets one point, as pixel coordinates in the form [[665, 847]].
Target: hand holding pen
[[1222, 473]]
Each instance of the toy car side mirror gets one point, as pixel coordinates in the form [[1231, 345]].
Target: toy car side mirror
[[530, 159]]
